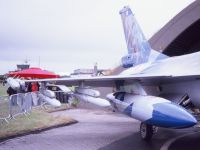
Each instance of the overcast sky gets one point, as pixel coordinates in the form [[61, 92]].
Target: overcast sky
[[70, 34]]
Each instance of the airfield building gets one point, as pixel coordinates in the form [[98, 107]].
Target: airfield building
[[181, 35]]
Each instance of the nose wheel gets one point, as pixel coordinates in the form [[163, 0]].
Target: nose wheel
[[146, 131]]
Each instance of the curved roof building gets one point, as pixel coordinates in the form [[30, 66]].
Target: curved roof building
[[181, 35]]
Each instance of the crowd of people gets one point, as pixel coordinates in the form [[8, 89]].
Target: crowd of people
[[29, 87]]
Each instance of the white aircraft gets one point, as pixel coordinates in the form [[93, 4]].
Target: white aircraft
[[151, 89]]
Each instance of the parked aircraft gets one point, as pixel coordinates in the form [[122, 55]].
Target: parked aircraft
[[154, 87]]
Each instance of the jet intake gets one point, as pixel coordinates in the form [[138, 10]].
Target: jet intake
[[127, 61]]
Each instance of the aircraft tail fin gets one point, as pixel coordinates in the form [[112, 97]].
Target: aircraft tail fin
[[139, 49]]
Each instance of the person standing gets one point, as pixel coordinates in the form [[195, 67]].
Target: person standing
[[12, 95], [34, 90], [11, 91]]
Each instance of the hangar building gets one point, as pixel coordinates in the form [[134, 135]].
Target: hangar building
[[181, 35]]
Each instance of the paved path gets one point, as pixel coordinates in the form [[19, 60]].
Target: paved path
[[94, 130], [97, 129]]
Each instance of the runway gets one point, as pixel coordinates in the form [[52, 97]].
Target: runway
[[96, 129]]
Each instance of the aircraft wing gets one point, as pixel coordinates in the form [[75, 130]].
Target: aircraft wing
[[109, 81], [163, 71]]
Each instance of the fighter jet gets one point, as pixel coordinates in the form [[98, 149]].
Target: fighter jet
[[152, 89]]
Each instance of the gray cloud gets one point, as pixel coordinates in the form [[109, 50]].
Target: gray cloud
[[67, 34]]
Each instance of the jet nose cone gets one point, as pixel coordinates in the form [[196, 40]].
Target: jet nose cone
[[171, 115]]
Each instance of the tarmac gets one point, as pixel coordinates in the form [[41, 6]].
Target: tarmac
[[103, 130]]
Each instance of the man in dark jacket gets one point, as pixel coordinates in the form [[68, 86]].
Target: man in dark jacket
[[11, 91]]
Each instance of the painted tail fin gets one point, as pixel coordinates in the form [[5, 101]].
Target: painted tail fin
[[139, 50], [138, 47]]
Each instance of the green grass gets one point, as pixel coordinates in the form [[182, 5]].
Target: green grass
[[4, 108], [2, 90], [36, 121]]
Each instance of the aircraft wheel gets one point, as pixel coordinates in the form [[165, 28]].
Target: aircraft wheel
[[146, 131]]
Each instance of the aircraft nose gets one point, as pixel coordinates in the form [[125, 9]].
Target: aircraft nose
[[171, 116]]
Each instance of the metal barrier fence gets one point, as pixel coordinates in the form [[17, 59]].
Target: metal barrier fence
[[17, 104], [4, 109], [22, 103]]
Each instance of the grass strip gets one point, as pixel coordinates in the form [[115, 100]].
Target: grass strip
[[36, 122]]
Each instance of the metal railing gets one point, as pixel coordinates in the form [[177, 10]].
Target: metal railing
[[22, 103], [4, 109], [17, 104]]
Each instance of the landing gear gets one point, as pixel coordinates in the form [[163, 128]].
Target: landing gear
[[146, 131]]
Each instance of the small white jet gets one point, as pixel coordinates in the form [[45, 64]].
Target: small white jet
[[152, 89]]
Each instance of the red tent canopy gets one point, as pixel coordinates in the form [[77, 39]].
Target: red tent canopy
[[33, 73]]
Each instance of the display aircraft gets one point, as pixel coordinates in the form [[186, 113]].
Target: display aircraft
[[153, 89]]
